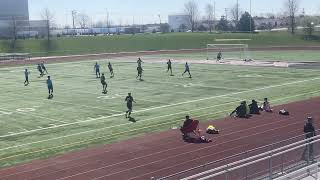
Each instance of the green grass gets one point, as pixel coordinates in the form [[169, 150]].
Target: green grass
[[162, 102], [147, 42]]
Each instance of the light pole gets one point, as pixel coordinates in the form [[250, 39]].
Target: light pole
[[73, 12], [250, 17]]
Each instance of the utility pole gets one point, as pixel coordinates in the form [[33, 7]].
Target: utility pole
[[108, 21], [73, 12], [226, 11], [251, 17], [159, 18]]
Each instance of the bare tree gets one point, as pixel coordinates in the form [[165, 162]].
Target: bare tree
[[48, 17], [235, 13], [83, 20], [210, 16], [292, 7], [191, 9]]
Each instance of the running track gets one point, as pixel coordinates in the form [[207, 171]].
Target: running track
[[165, 153]]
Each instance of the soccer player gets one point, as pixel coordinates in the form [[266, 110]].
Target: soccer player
[[40, 70], [97, 69], [140, 70], [26, 75], [104, 84], [50, 87], [187, 70], [219, 56], [169, 63], [139, 62], [111, 70], [129, 99], [44, 69]]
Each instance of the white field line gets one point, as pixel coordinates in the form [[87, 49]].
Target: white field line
[[170, 105], [29, 113], [109, 127], [138, 121]]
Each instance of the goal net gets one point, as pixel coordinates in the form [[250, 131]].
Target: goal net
[[228, 52]]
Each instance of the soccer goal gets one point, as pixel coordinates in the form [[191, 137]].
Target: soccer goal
[[228, 52]]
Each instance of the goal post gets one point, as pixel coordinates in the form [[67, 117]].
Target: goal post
[[228, 52]]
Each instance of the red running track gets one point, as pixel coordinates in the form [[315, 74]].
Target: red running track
[[162, 154]]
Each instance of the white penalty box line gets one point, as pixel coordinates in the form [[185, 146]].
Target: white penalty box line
[[161, 107]]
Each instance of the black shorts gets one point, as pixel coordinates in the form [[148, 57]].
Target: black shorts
[[129, 107], [103, 83]]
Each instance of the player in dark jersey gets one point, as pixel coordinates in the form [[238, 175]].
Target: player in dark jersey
[[26, 75], [40, 70], [187, 70], [97, 69], [219, 56], [104, 84], [111, 70], [140, 70], [50, 87], [44, 69], [139, 62], [129, 99], [169, 63]]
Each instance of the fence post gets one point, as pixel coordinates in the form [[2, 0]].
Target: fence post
[[226, 174], [270, 163], [308, 153]]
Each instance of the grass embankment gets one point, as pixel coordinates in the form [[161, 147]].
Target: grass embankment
[[147, 42]]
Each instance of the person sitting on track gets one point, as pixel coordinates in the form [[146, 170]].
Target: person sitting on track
[[241, 111], [254, 108], [266, 106], [191, 132]]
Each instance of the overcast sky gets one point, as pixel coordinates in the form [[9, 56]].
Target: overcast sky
[[147, 11]]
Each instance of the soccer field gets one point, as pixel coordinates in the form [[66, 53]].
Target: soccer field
[[80, 116]]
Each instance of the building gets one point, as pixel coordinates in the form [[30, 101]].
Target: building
[[179, 22], [17, 9], [15, 22]]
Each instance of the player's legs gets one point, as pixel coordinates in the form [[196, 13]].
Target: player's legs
[[189, 74], [171, 71]]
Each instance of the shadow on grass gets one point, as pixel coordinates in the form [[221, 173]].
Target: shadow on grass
[[133, 120]]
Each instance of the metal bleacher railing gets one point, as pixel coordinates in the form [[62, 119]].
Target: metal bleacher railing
[[280, 158]]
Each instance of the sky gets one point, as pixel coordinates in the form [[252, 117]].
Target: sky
[[148, 11]]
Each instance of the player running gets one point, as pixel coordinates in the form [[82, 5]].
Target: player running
[[44, 69], [219, 56], [129, 99], [50, 87], [111, 70], [26, 75], [40, 70], [187, 70], [139, 62], [140, 70], [104, 84], [169, 63], [97, 69]]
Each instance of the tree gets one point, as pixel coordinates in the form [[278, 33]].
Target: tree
[[48, 17], [223, 24], [202, 28], [244, 23], [235, 14], [291, 10], [210, 16], [164, 28], [83, 20], [182, 28], [191, 9], [308, 27]]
